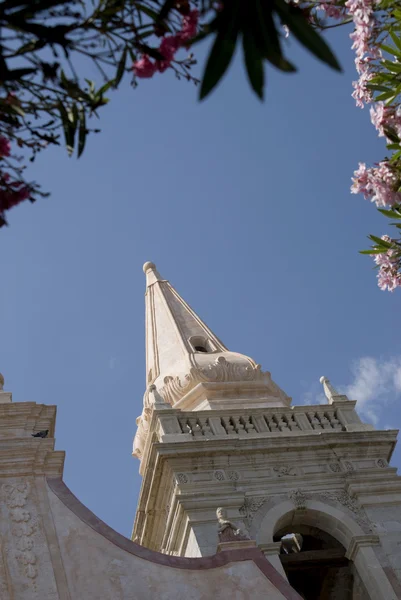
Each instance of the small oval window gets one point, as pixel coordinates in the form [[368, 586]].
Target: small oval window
[[200, 349]]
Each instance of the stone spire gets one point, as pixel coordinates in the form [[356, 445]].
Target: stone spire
[[5, 397], [174, 333], [187, 365], [330, 391]]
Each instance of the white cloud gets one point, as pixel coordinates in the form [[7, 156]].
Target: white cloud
[[376, 382]]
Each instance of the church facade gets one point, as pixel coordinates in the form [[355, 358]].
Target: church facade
[[244, 496]]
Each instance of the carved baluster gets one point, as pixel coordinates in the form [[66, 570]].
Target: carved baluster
[[314, 421], [282, 423], [228, 426], [198, 429], [204, 423], [271, 423], [334, 422], [324, 421], [248, 425], [238, 425], [185, 426], [292, 424]]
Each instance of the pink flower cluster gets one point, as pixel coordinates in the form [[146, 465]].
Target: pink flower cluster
[[388, 276], [5, 146], [384, 117], [378, 184], [145, 68], [362, 13], [332, 10], [11, 194]]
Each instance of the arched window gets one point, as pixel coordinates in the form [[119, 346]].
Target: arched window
[[201, 344], [316, 566]]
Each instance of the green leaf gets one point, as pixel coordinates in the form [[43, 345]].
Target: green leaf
[[148, 11], [371, 252], [391, 134], [396, 40], [393, 146], [121, 67], [384, 96], [374, 87], [390, 50], [82, 131], [391, 214], [293, 17], [68, 127], [380, 242], [165, 9], [222, 50], [253, 62], [268, 39]]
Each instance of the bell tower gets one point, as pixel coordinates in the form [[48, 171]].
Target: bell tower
[[311, 485]]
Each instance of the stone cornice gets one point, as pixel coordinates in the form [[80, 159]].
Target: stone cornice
[[20, 453]]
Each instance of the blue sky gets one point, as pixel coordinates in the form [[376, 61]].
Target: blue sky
[[245, 207]]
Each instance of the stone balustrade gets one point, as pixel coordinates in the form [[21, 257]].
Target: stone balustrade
[[175, 425]]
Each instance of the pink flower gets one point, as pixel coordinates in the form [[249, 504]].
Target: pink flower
[[378, 184], [144, 68], [5, 146], [388, 276], [189, 26], [168, 47], [331, 10]]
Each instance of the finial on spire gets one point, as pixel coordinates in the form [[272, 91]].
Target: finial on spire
[[1, 382], [330, 391], [152, 274], [149, 266]]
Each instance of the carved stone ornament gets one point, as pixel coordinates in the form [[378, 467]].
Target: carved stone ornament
[[382, 463], [220, 370], [284, 470], [335, 467], [233, 475], [219, 475], [228, 531], [349, 466], [299, 498], [251, 506], [182, 478], [23, 526]]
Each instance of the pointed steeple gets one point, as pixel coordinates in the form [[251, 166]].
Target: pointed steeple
[[173, 331]]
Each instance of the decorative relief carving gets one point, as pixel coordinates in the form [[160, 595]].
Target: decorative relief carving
[[298, 498], [349, 466], [182, 478], [219, 475], [382, 463], [220, 370], [23, 526], [284, 470], [335, 467], [349, 502], [233, 475], [251, 506]]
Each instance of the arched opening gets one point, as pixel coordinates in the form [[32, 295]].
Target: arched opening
[[200, 349], [316, 566]]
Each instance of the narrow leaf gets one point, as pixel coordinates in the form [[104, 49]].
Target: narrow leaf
[[253, 63], [293, 17], [222, 50]]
